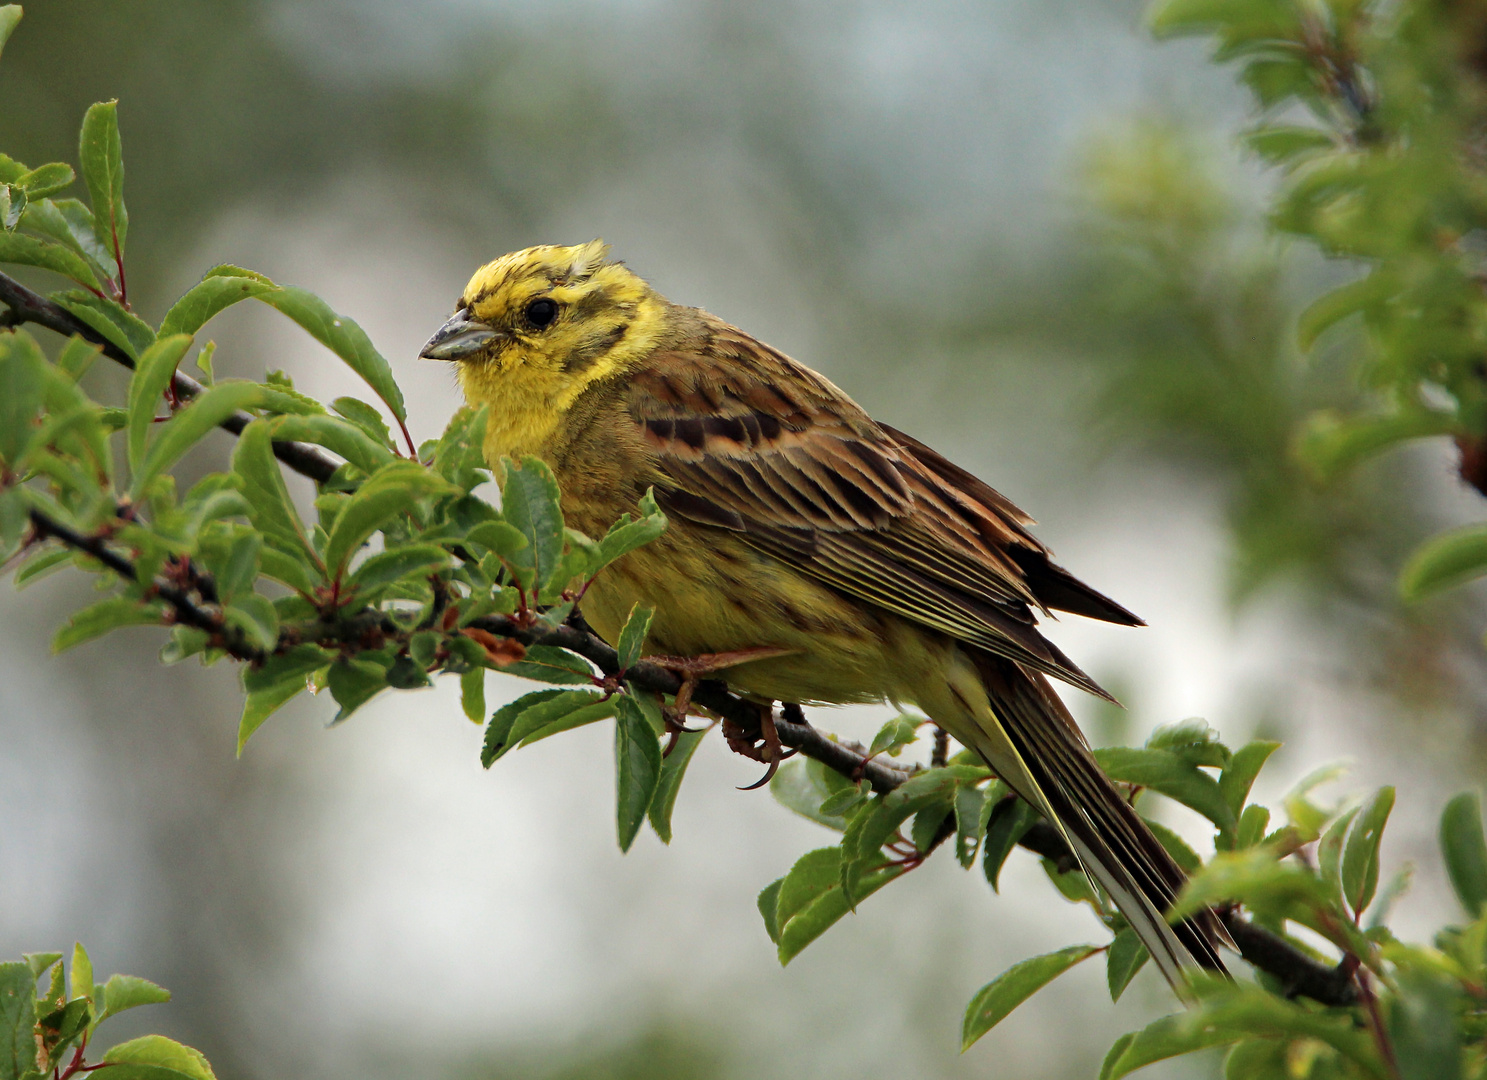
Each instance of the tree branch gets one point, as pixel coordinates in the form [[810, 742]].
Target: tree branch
[[26, 306], [184, 609], [1267, 951]]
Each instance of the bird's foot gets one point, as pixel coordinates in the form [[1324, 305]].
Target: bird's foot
[[691, 669], [761, 743]]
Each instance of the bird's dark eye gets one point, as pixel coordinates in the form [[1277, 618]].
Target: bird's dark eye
[[541, 312]]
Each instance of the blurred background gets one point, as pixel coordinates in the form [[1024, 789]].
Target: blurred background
[[1019, 229]]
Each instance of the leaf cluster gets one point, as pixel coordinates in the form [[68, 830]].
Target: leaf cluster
[[1372, 114], [50, 1011]]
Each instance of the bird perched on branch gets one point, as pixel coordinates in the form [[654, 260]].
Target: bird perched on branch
[[865, 565]]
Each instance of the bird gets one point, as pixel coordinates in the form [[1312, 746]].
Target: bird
[[850, 560]]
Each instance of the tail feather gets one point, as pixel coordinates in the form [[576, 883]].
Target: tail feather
[[1041, 754]]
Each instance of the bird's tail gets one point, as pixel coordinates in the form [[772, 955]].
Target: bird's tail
[[1032, 743]]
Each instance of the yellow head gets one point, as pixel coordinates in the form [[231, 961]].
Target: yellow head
[[535, 328]]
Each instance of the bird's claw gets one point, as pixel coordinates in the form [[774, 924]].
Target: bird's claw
[[761, 745]]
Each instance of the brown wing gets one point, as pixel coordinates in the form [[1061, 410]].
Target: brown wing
[[748, 440]]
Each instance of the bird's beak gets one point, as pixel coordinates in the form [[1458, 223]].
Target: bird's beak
[[460, 338]]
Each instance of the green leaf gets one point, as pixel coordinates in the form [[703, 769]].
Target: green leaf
[[152, 375], [22, 378], [46, 179], [81, 981], [1330, 444], [273, 683], [1167, 1037], [367, 418], [353, 683], [472, 694], [263, 487], [130, 333], [498, 734], [673, 768], [894, 736], [29, 251], [767, 903], [1253, 877], [459, 455], [208, 297], [805, 787], [407, 673], [391, 565], [814, 875], [98, 619], [41, 564], [391, 491], [565, 711], [154, 1057], [10, 16], [530, 502], [344, 338], [1169, 773], [13, 200], [811, 900], [1125, 957], [1010, 820], [632, 636], [14, 516], [17, 1021], [62, 1026], [254, 617], [969, 823], [70, 223], [499, 537], [1329, 309], [287, 570], [1193, 740], [625, 535], [190, 425], [1239, 775], [101, 153], [1444, 561], [40, 962], [1465, 851], [128, 992], [1012, 987], [336, 435], [637, 759], [1277, 143], [547, 663], [1423, 1026], [1360, 860]]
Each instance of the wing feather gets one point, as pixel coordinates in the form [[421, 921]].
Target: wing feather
[[746, 439]]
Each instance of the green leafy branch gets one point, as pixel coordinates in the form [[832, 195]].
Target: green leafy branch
[[46, 1030], [1371, 112]]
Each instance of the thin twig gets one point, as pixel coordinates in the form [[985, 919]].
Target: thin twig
[[183, 609]]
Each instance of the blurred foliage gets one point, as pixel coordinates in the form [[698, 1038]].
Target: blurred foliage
[[1203, 370]]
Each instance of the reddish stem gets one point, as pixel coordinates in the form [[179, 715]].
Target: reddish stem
[[113, 227]]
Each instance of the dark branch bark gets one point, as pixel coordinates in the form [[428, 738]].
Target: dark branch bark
[[26, 306]]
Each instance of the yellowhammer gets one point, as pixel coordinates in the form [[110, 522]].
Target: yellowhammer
[[876, 567]]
